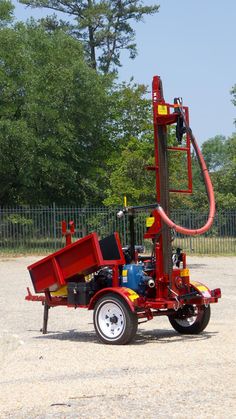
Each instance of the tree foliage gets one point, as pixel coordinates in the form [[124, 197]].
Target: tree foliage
[[128, 176], [103, 26], [220, 154], [53, 118], [133, 146], [72, 135], [62, 125], [6, 13], [233, 93]]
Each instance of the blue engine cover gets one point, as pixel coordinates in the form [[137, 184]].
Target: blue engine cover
[[133, 277]]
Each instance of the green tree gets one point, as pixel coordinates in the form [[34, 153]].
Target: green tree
[[131, 133], [16, 153], [54, 132], [103, 26], [214, 152], [233, 93], [6, 13], [220, 154], [128, 176]]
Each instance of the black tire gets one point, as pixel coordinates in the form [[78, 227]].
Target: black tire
[[114, 322], [191, 325]]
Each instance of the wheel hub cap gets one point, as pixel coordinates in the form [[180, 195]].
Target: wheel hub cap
[[111, 320]]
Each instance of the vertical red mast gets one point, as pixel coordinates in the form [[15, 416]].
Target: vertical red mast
[[165, 114]]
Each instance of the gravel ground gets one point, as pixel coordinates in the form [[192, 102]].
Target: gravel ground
[[69, 374]]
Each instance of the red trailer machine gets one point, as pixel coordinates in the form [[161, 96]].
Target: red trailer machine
[[124, 288]]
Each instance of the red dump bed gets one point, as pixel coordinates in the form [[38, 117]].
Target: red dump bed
[[83, 257]]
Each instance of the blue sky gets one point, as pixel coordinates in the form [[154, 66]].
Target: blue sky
[[191, 45]]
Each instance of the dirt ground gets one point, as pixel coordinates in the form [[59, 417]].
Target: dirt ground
[[69, 374]]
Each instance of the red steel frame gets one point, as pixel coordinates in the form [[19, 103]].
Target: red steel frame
[[168, 296]]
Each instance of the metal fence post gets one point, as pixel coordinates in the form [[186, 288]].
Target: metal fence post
[[54, 226], [190, 237]]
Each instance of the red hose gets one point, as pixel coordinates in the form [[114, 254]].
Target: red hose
[[209, 189]]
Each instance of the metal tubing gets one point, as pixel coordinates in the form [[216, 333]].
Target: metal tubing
[[132, 236]]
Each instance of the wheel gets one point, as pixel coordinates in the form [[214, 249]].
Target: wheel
[[113, 320], [191, 319]]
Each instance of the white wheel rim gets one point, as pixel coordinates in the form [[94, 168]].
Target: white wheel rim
[[189, 321], [186, 322], [110, 320]]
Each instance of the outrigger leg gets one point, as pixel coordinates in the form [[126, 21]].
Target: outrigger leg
[[45, 317]]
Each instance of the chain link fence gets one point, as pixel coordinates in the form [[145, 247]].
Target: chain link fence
[[38, 229]]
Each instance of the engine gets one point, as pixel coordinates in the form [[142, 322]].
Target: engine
[[135, 277]]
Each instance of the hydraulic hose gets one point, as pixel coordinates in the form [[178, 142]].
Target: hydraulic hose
[[208, 185]]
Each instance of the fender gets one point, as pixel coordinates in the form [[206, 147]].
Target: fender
[[201, 288], [127, 294]]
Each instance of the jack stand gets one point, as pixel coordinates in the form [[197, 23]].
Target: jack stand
[[45, 318]]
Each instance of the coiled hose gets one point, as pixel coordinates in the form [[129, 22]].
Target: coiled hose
[[209, 189]]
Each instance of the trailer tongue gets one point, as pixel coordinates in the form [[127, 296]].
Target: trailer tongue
[[122, 287]]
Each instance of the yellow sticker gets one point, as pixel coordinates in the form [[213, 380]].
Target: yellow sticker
[[133, 295], [202, 288], [150, 221], [124, 276], [195, 283], [184, 272], [199, 285], [162, 110]]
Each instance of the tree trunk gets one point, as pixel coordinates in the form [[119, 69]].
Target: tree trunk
[[91, 41], [92, 49]]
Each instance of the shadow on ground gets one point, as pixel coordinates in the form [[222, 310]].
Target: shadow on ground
[[72, 335], [168, 336], [143, 336]]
